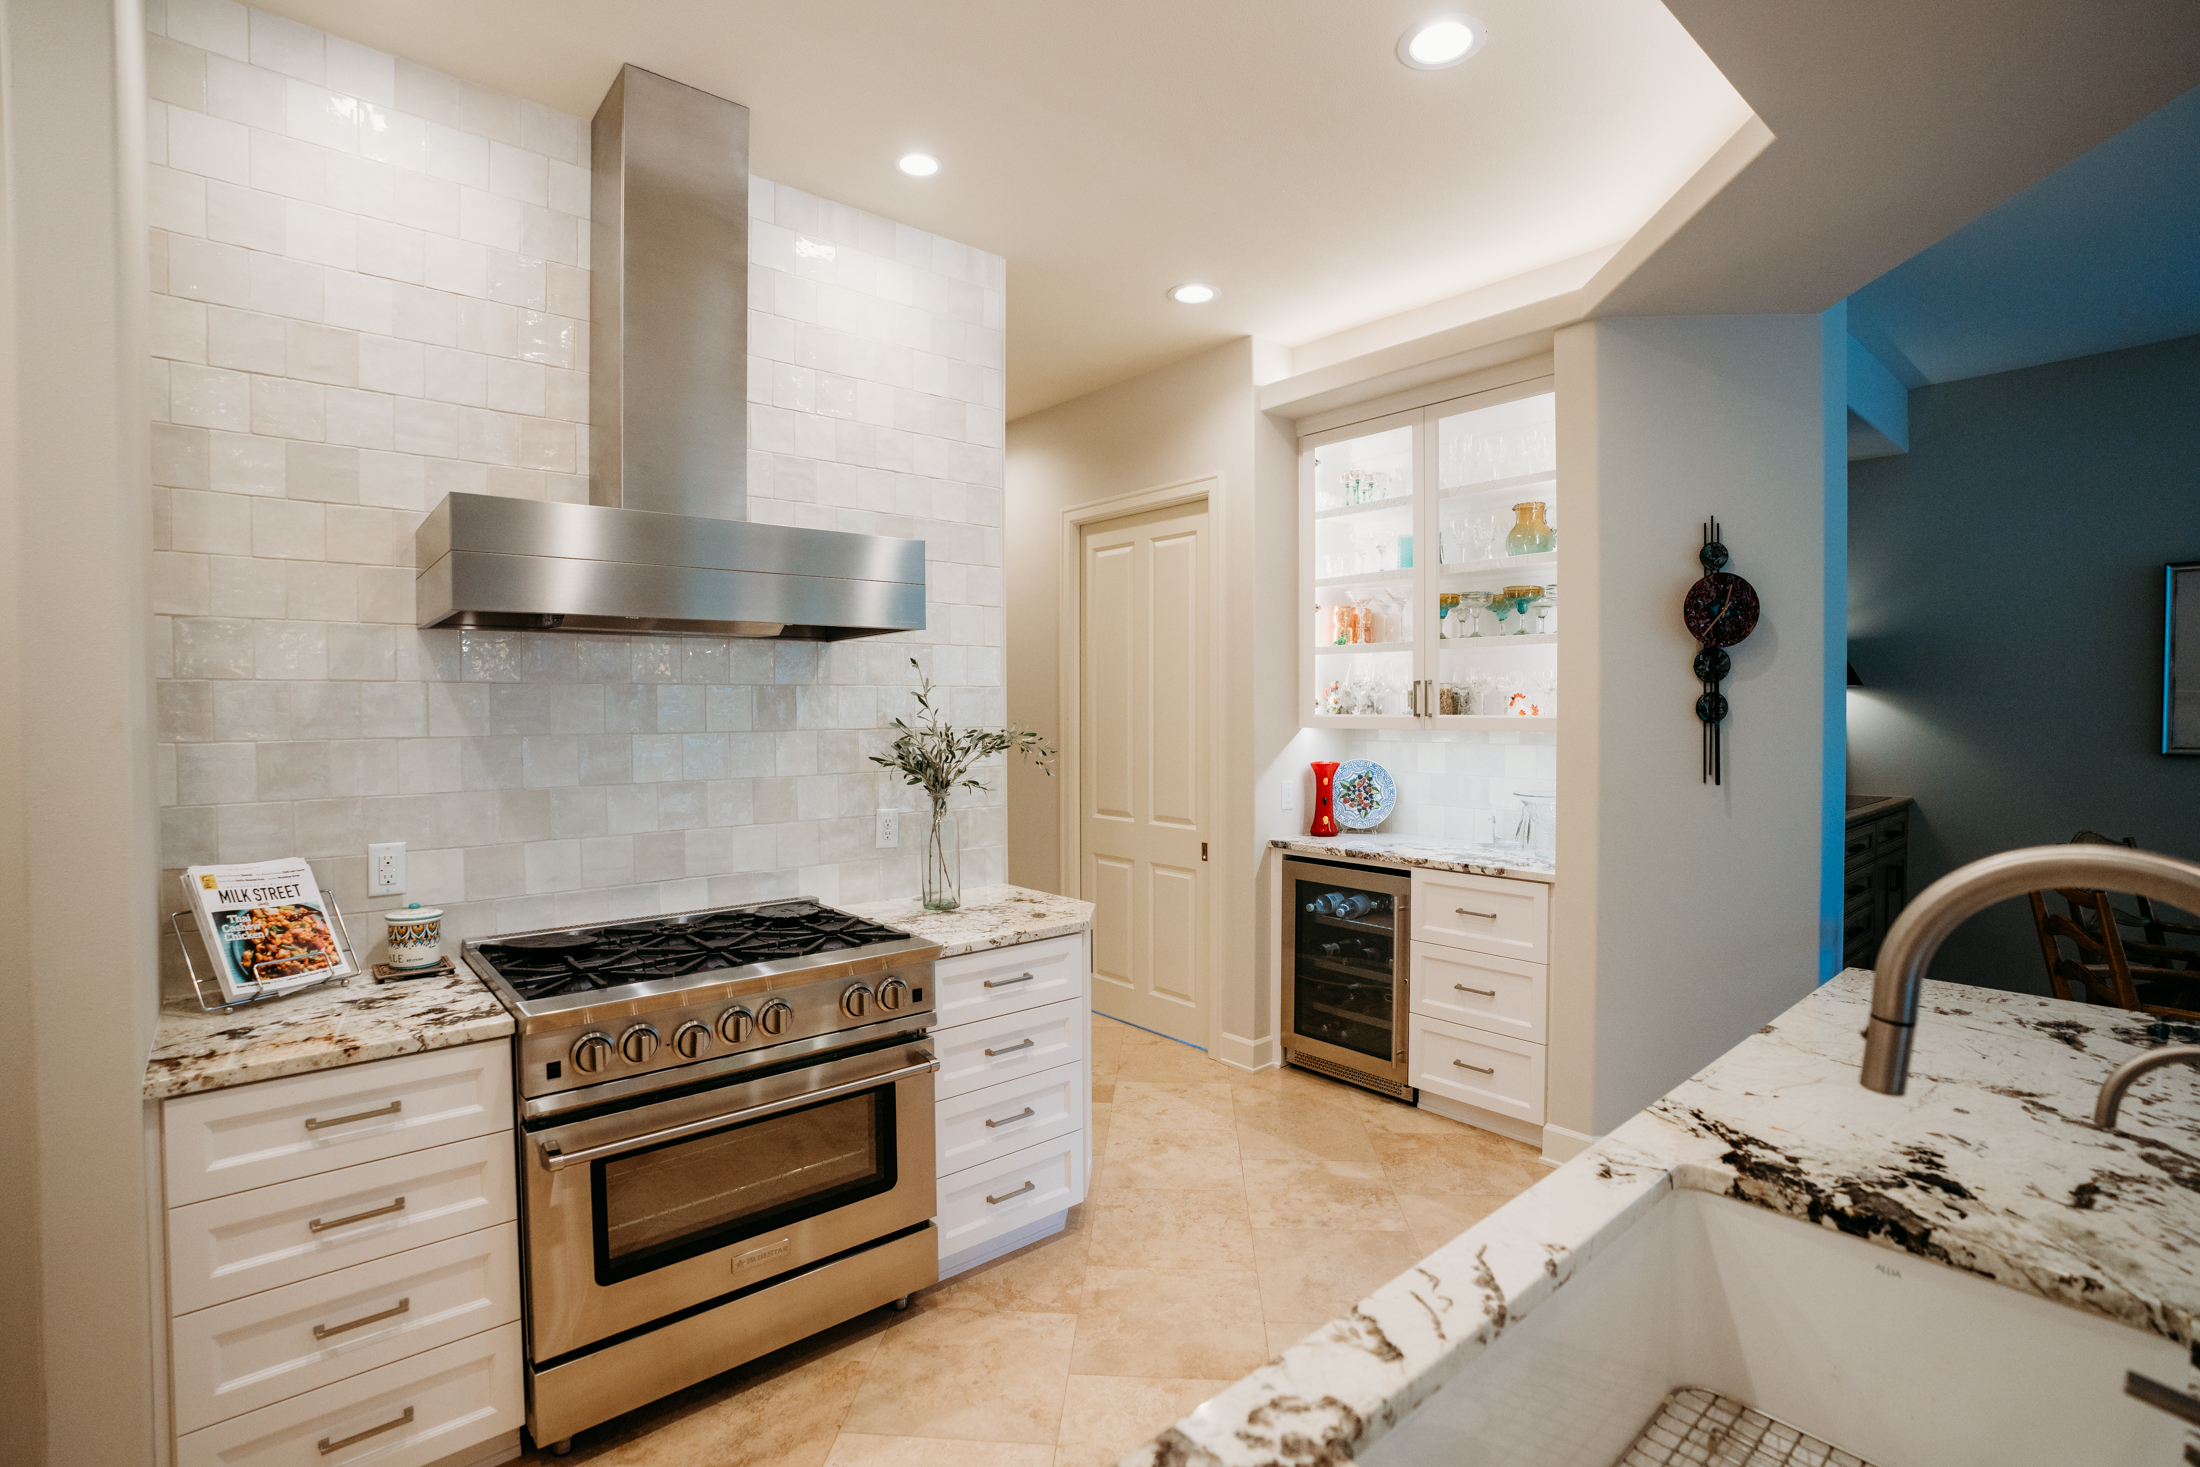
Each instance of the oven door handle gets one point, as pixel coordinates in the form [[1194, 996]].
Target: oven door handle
[[555, 1159]]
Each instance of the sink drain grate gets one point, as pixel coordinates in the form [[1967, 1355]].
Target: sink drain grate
[[1700, 1428]]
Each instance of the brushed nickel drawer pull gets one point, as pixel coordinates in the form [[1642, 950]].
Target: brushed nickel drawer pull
[[1004, 982], [1485, 916], [323, 1331], [315, 1123], [1484, 992], [319, 1226], [1462, 1064], [1020, 1191], [1004, 1120], [995, 1053], [328, 1446]]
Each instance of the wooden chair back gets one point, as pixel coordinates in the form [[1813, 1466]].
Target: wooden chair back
[[2100, 972]]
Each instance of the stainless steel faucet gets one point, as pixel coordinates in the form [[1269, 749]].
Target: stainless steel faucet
[[2113, 1088], [1942, 907]]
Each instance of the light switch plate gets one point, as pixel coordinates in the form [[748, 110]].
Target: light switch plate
[[386, 869], [889, 829]]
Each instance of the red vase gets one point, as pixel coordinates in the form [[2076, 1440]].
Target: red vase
[[1325, 812]]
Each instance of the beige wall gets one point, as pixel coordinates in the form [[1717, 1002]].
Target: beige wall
[[77, 987], [1690, 914], [1194, 418]]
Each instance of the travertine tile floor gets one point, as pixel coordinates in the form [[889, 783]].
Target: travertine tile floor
[[1229, 1214]]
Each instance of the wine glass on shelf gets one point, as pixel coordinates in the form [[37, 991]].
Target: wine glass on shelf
[[1543, 608], [1501, 607], [1522, 597]]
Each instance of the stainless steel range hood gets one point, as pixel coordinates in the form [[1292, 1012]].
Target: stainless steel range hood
[[663, 544]]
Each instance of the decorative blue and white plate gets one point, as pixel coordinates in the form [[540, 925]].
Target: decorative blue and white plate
[[1363, 794]]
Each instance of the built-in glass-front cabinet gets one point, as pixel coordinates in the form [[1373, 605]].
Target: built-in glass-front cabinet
[[1429, 557]]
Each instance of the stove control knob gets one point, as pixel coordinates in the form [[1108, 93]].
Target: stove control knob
[[892, 994], [591, 1052], [856, 1002], [736, 1026], [639, 1044], [775, 1018], [692, 1040]]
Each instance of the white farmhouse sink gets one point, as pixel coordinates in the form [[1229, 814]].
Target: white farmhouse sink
[[1904, 1362]]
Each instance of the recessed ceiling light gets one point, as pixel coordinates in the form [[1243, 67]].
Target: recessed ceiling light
[[1436, 44], [918, 165], [1192, 294]]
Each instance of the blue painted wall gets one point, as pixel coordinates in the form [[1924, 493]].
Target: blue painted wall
[[2005, 612]]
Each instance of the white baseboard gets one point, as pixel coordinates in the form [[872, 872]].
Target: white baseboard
[[1488, 1120], [1561, 1145], [969, 1258], [1246, 1054]]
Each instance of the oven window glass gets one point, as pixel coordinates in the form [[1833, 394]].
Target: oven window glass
[[703, 1192], [1344, 966]]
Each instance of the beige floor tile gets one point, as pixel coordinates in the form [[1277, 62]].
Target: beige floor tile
[[1470, 1162], [1153, 1058], [1327, 1196], [1104, 1416], [1165, 1229], [1104, 1067], [856, 1449], [1320, 1275], [1297, 1128], [1189, 1324], [781, 1411], [1284, 1333], [1168, 1159], [1046, 1277], [1435, 1221], [1384, 1114], [1102, 1094], [971, 1376], [1183, 1105]]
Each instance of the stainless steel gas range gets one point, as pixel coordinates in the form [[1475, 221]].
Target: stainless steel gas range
[[726, 1141]]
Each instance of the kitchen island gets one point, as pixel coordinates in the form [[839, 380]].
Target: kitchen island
[[1988, 1167]]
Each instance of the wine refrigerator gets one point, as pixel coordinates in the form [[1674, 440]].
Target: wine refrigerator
[[1345, 948]]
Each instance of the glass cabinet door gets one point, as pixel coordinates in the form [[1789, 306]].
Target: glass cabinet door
[[1365, 513], [1493, 591]]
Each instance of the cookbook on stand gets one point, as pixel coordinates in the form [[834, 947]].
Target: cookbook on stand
[[267, 928]]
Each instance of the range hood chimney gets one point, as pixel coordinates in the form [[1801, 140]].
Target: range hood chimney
[[663, 544]]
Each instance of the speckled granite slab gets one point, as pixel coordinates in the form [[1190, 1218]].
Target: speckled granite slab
[[1414, 850], [316, 1030], [990, 916], [1990, 1164]]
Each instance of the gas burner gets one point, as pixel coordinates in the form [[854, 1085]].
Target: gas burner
[[544, 965]]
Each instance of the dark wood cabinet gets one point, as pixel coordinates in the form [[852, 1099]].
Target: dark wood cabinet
[[1875, 876]]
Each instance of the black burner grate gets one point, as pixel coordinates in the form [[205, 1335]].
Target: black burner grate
[[586, 958]]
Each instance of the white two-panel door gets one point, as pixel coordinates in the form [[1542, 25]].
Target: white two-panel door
[[1142, 767]]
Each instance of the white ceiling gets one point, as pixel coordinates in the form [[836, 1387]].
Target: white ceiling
[[1273, 148]]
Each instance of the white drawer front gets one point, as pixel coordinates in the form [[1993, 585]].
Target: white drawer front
[[458, 1396], [1009, 1046], [1004, 980], [263, 1348], [1500, 995], [979, 1125], [1488, 914], [1479, 1068], [241, 1244], [223, 1141], [979, 1203]]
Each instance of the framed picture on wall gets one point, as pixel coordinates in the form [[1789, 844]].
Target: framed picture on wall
[[2181, 659]]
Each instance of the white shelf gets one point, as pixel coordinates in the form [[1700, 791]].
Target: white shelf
[[1371, 578], [1522, 639], [1501, 563], [1396, 501], [1493, 486], [1495, 720], [1545, 723], [1331, 649]]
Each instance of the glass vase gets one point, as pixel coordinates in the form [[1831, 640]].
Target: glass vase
[[1325, 810], [1530, 532], [941, 864]]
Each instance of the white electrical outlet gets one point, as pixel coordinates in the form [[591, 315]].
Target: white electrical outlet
[[889, 829], [386, 869]]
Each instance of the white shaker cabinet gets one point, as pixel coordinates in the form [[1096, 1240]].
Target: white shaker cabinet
[[1481, 998], [1013, 1033]]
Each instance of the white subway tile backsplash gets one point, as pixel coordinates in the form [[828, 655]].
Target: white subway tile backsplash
[[372, 292]]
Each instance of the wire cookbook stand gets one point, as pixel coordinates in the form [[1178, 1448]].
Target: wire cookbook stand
[[261, 987]]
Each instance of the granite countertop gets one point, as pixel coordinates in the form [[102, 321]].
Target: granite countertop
[[348, 1024], [1990, 1164], [317, 1029], [989, 917], [1435, 855]]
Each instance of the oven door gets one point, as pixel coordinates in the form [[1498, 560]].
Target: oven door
[[636, 1213]]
